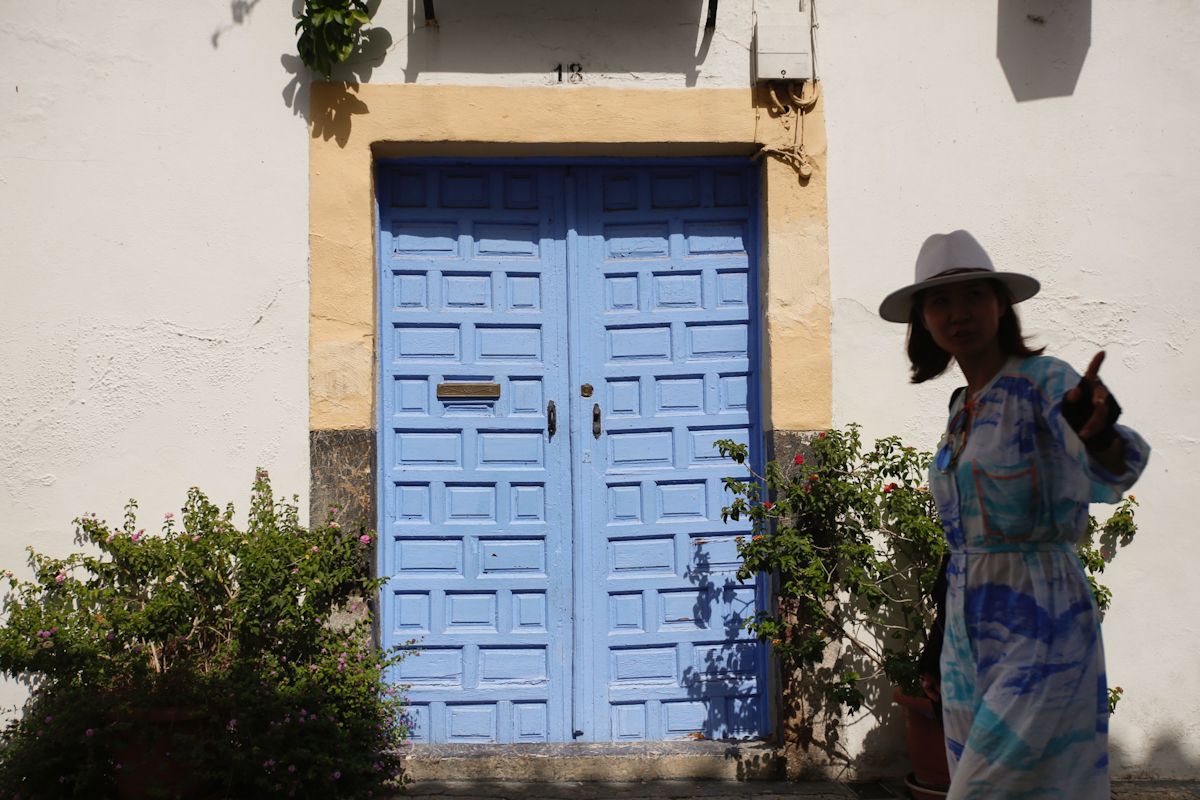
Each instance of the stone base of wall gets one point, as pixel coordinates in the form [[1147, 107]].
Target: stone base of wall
[[808, 737], [342, 477], [782, 446]]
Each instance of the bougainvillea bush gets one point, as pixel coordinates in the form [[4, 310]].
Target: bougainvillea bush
[[852, 539], [204, 655]]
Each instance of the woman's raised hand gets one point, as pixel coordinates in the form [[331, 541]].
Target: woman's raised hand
[[1100, 398]]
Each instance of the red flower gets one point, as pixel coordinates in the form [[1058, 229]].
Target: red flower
[[799, 459], [814, 477], [768, 505], [822, 435], [891, 487]]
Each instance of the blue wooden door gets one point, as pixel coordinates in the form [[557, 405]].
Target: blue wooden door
[[666, 336], [474, 492], [576, 586]]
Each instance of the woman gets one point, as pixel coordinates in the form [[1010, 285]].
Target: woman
[[1027, 447]]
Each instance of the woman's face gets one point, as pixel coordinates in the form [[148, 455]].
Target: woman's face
[[963, 318]]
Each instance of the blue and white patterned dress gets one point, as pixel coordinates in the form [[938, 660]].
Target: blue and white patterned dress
[[1023, 685]]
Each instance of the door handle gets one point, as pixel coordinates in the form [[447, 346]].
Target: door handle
[[596, 420], [551, 419]]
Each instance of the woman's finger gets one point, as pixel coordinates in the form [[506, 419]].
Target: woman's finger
[[1099, 417], [1093, 370]]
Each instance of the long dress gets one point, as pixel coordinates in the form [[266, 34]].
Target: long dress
[[1024, 691]]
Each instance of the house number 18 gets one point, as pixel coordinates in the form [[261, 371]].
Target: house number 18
[[574, 73]]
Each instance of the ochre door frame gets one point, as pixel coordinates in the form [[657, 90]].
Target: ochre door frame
[[354, 125]]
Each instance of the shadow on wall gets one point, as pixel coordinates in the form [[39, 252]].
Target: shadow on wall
[[1042, 44], [1165, 758], [239, 10], [334, 122], [334, 109], [483, 37], [825, 740]]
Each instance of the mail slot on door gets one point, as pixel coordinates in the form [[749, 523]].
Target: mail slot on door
[[468, 391]]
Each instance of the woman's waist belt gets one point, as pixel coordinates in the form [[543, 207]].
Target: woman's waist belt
[[1014, 547]]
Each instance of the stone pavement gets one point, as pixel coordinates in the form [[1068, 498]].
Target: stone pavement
[[731, 790], [704, 770]]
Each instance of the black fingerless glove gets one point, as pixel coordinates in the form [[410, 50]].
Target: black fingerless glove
[[1078, 412]]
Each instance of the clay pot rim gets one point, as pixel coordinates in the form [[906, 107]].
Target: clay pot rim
[[920, 790]]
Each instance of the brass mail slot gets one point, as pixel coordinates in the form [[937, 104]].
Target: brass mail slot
[[468, 391]]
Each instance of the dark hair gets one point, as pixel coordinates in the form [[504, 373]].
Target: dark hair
[[929, 361]]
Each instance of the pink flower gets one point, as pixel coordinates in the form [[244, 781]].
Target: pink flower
[[137, 535], [316, 549], [168, 515], [88, 732], [196, 538], [337, 774], [365, 538], [295, 570], [59, 578]]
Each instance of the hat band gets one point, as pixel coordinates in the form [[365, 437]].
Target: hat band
[[958, 271]]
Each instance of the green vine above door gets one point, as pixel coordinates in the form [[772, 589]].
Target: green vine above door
[[330, 31]]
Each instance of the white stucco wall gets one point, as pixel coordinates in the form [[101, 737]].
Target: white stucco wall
[[154, 269], [1095, 194], [153, 216], [616, 43]]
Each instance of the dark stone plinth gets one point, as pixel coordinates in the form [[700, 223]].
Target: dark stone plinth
[[342, 467]]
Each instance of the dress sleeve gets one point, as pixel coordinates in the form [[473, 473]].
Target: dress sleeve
[[1105, 487]]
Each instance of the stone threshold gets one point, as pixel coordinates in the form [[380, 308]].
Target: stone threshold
[[606, 761]]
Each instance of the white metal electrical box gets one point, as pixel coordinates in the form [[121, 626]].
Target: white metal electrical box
[[781, 52]]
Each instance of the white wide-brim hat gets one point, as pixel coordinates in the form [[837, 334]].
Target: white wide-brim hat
[[953, 257]]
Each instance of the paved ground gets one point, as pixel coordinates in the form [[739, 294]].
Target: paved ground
[[730, 790]]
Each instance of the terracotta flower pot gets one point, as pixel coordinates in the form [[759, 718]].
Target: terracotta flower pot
[[926, 747]]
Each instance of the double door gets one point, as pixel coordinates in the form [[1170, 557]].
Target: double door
[[560, 348]]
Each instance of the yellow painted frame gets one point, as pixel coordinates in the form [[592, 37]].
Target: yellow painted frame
[[352, 125]]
